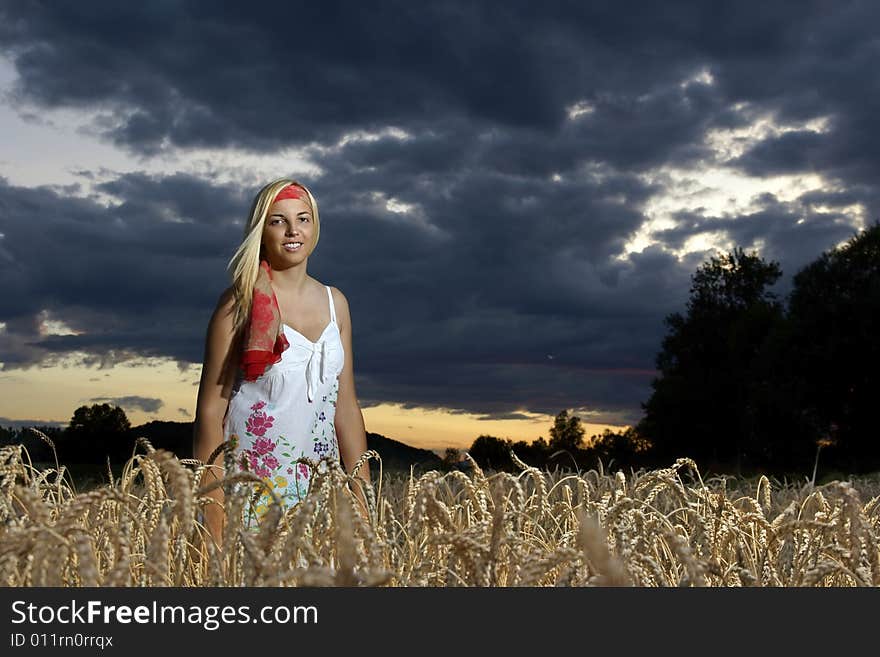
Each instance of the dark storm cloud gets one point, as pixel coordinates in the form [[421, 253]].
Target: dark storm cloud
[[194, 75], [790, 153], [502, 287], [136, 278]]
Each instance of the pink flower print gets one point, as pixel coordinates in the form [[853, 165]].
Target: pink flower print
[[256, 407], [259, 422], [289, 470], [263, 445], [270, 461], [262, 471], [303, 469]]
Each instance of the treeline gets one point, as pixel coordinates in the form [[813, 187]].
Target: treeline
[[748, 383], [97, 433], [567, 448]]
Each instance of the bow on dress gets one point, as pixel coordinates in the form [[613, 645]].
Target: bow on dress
[[313, 372]]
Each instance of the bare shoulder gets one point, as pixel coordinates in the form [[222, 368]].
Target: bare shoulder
[[223, 312], [221, 358], [227, 299], [338, 298], [221, 328], [341, 304]]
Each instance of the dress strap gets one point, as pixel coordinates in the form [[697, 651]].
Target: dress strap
[[332, 306]]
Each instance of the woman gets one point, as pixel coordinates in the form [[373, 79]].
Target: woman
[[273, 382]]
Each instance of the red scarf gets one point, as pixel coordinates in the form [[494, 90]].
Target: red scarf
[[265, 339]]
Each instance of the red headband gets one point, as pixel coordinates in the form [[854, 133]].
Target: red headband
[[292, 191]]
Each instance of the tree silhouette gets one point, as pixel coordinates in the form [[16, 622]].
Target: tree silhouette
[[832, 354], [491, 452], [37, 448], [622, 448], [451, 457], [96, 432], [532, 453], [701, 405], [566, 433]]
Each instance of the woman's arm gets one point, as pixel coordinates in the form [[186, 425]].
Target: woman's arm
[[349, 421], [218, 374]]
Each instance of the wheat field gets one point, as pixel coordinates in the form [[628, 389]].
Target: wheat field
[[664, 527]]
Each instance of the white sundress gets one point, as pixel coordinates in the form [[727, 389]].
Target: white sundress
[[287, 413]]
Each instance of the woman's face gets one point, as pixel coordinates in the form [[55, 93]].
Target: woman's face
[[288, 232]]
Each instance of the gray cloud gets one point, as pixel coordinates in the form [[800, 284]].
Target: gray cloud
[[793, 234], [132, 402]]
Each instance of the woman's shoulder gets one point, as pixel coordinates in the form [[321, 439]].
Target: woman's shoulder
[[341, 305], [225, 303], [224, 311], [227, 297], [338, 296]]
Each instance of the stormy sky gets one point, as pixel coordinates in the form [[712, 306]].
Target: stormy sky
[[513, 195]]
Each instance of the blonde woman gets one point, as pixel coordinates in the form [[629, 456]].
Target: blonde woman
[[277, 378]]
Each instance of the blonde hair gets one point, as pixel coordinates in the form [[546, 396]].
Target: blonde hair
[[245, 264]]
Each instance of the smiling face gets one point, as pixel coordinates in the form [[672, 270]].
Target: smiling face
[[288, 233]]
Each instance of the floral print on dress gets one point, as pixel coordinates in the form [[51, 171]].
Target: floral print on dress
[[323, 430], [290, 491], [261, 459], [259, 422]]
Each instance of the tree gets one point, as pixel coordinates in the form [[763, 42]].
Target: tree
[[96, 432], [451, 457], [623, 448], [832, 349], [531, 453], [491, 453], [701, 406], [566, 433], [38, 449]]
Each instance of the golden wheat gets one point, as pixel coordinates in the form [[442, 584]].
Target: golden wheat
[[665, 527]]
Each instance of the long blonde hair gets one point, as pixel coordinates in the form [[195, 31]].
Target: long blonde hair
[[245, 264]]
